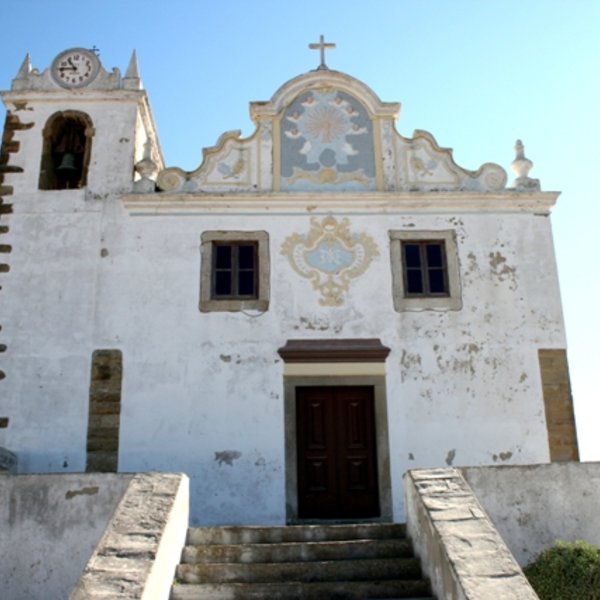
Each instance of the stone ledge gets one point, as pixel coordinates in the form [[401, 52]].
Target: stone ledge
[[137, 555], [460, 549]]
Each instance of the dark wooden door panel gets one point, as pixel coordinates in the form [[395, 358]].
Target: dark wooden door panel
[[316, 472], [358, 493], [337, 460]]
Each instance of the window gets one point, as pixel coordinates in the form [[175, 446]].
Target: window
[[235, 271], [424, 268], [425, 272]]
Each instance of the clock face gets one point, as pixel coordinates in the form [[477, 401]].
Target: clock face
[[75, 68]]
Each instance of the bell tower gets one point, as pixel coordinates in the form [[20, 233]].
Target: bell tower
[[89, 127], [77, 137]]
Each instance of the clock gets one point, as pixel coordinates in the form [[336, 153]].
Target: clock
[[75, 68]]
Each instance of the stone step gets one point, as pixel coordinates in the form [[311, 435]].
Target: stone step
[[363, 561], [297, 551], [294, 590], [311, 571], [294, 533]]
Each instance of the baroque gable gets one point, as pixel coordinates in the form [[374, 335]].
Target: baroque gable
[[328, 132]]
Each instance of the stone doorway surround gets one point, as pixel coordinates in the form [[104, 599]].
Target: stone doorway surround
[[336, 362]]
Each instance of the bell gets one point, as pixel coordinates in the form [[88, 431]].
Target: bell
[[67, 165]]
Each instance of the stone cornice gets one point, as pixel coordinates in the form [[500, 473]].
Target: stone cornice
[[441, 202], [79, 95]]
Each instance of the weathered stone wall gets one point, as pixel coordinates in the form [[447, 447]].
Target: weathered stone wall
[[459, 547], [50, 525], [141, 547], [558, 403], [532, 506]]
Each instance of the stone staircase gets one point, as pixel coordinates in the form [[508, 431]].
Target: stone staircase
[[341, 562]]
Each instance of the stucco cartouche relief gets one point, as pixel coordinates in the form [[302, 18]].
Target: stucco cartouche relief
[[330, 256]]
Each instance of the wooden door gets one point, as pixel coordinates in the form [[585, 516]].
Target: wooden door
[[337, 455]]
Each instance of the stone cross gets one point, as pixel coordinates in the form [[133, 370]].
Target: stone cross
[[322, 46]]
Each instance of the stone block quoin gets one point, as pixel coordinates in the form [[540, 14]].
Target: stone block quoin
[[558, 404], [104, 411], [9, 146]]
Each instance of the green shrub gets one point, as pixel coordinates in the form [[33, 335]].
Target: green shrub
[[567, 571]]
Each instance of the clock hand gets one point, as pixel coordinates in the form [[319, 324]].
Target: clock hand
[[70, 61], [73, 68]]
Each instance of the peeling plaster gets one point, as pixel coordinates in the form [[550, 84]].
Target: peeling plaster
[[457, 365], [492, 362], [501, 269], [427, 395], [86, 491], [472, 262], [470, 348], [503, 456], [409, 363], [227, 457], [315, 325]]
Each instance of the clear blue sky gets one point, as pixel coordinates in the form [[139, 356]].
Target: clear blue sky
[[478, 74]]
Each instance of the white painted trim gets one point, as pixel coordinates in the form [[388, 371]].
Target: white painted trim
[[337, 369]]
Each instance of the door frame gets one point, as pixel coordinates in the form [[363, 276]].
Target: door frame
[[374, 376]]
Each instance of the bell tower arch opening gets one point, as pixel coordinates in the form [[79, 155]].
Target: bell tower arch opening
[[66, 151]]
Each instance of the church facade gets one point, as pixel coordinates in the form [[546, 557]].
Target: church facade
[[313, 311]]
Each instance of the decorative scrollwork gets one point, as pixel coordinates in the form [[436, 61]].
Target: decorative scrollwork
[[495, 177], [170, 180], [330, 257]]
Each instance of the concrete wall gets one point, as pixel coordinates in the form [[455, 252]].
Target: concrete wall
[[533, 506], [49, 527]]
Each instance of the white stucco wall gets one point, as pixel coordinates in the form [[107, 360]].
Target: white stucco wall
[[532, 506], [50, 526], [203, 392], [463, 386]]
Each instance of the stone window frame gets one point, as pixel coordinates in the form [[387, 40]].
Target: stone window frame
[[402, 302], [210, 304]]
